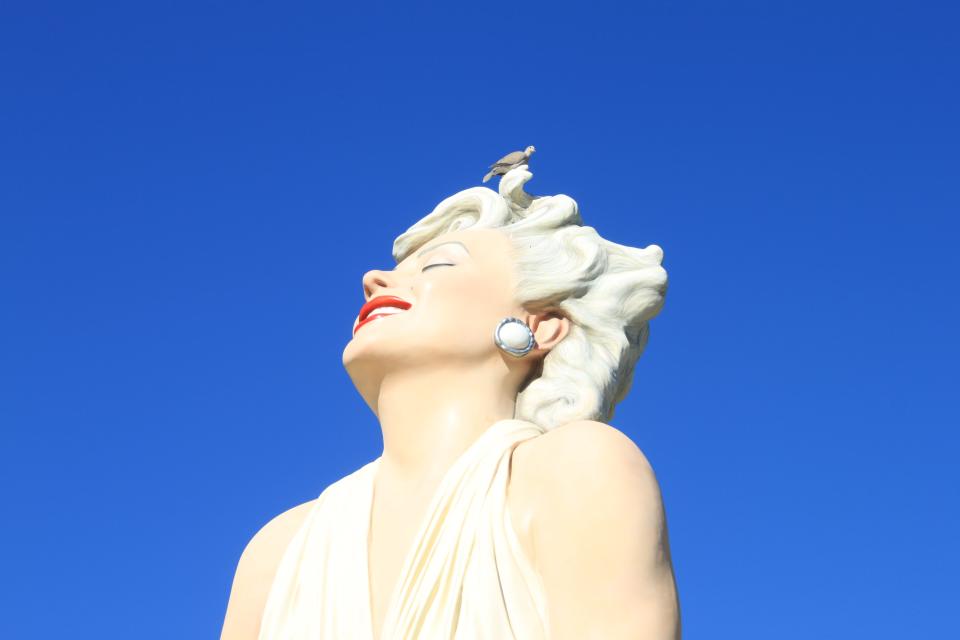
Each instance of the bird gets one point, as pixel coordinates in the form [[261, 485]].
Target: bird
[[508, 162]]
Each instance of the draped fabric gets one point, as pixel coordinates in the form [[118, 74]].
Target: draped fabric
[[465, 575]]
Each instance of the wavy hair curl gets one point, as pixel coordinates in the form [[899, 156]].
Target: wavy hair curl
[[608, 291]]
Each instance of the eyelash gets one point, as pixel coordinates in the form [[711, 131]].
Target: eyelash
[[438, 264]]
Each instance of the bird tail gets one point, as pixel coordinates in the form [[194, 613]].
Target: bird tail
[[487, 177]]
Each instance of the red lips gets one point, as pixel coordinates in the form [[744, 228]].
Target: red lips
[[366, 311]]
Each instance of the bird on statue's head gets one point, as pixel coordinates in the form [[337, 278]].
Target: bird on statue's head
[[509, 161]]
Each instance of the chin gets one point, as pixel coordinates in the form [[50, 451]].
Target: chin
[[357, 350], [371, 347]]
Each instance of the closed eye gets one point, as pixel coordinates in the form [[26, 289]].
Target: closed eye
[[437, 264]]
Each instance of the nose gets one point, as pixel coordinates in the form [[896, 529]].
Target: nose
[[375, 280]]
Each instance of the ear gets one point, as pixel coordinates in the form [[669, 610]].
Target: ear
[[548, 329]]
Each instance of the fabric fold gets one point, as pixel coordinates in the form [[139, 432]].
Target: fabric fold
[[464, 576]]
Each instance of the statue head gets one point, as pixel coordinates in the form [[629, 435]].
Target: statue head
[[480, 256]]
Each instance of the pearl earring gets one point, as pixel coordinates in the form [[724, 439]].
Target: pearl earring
[[514, 336]]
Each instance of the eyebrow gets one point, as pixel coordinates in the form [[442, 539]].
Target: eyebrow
[[437, 246]]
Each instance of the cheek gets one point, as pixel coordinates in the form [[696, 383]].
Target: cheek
[[471, 306]]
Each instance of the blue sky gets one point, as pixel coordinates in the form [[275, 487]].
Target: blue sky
[[190, 193]]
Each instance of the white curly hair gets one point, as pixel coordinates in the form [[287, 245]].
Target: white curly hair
[[608, 291]]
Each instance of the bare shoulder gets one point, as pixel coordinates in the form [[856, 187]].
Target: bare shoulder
[[596, 530], [585, 449], [255, 572], [577, 464]]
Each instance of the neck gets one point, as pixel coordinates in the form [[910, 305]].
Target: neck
[[429, 416]]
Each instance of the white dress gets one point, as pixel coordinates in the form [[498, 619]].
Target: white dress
[[465, 576]]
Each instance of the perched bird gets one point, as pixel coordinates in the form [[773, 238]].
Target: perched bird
[[509, 161]]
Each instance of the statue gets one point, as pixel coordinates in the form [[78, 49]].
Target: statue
[[503, 504]]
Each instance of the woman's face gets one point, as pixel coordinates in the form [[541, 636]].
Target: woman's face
[[452, 293]]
